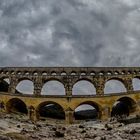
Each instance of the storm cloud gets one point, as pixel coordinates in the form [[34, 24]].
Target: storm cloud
[[69, 32]]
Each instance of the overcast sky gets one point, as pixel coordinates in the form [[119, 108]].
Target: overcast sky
[[69, 32]]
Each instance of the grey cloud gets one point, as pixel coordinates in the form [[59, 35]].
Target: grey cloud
[[69, 33]]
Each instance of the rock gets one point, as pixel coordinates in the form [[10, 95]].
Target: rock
[[126, 131], [108, 127], [133, 131], [120, 125], [63, 128], [35, 137], [59, 134], [98, 138], [48, 124], [81, 126], [23, 131], [54, 128], [38, 125], [18, 136], [4, 137], [41, 135], [68, 131], [103, 138], [90, 136], [137, 116], [83, 131], [18, 126], [35, 128]]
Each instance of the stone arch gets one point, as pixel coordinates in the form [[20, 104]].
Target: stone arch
[[83, 87], [53, 73], [124, 106], [114, 85], [53, 87], [6, 78], [25, 86], [73, 73], [16, 105], [83, 73], [90, 110], [50, 109], [92, 73], [136, 83], [26, 73], [63, 73], [4, 84]]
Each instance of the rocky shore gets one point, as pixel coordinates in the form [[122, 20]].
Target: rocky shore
[[18, 127]]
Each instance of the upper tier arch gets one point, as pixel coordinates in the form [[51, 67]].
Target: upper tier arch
[[68, 76]]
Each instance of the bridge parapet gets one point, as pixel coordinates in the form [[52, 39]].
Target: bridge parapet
[[69, 70]]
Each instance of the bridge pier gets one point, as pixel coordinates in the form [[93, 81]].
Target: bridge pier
[[68, 90], [32, 113], [12, 85], [99, 85], [137, 110], [37, 87], [128, 84], [69, 118], [2, 107], [105, 113], [12, 88]]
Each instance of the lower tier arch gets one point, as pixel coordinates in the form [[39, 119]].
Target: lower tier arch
[[50, 110], [16, 105], [124, 106], [87, 110]]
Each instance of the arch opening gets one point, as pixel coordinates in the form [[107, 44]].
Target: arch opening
[[136, 84], [51, 110], [16, 106], [83, 87], [53, 87], [114, 86], [123, 107], [87, 111], [4, 85], [25, 87]]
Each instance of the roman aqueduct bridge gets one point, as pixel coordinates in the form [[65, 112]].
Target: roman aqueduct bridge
[[11, 99]]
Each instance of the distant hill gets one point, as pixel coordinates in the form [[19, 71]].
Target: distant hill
[[52, 111], [85, 114]]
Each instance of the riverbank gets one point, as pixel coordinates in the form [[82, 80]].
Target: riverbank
[[18, 127]]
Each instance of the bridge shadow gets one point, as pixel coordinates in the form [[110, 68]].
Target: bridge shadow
[[124, 106], [51, 110], [16, 105], [130, 120]]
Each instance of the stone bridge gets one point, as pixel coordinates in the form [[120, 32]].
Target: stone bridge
[[11, 100]]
